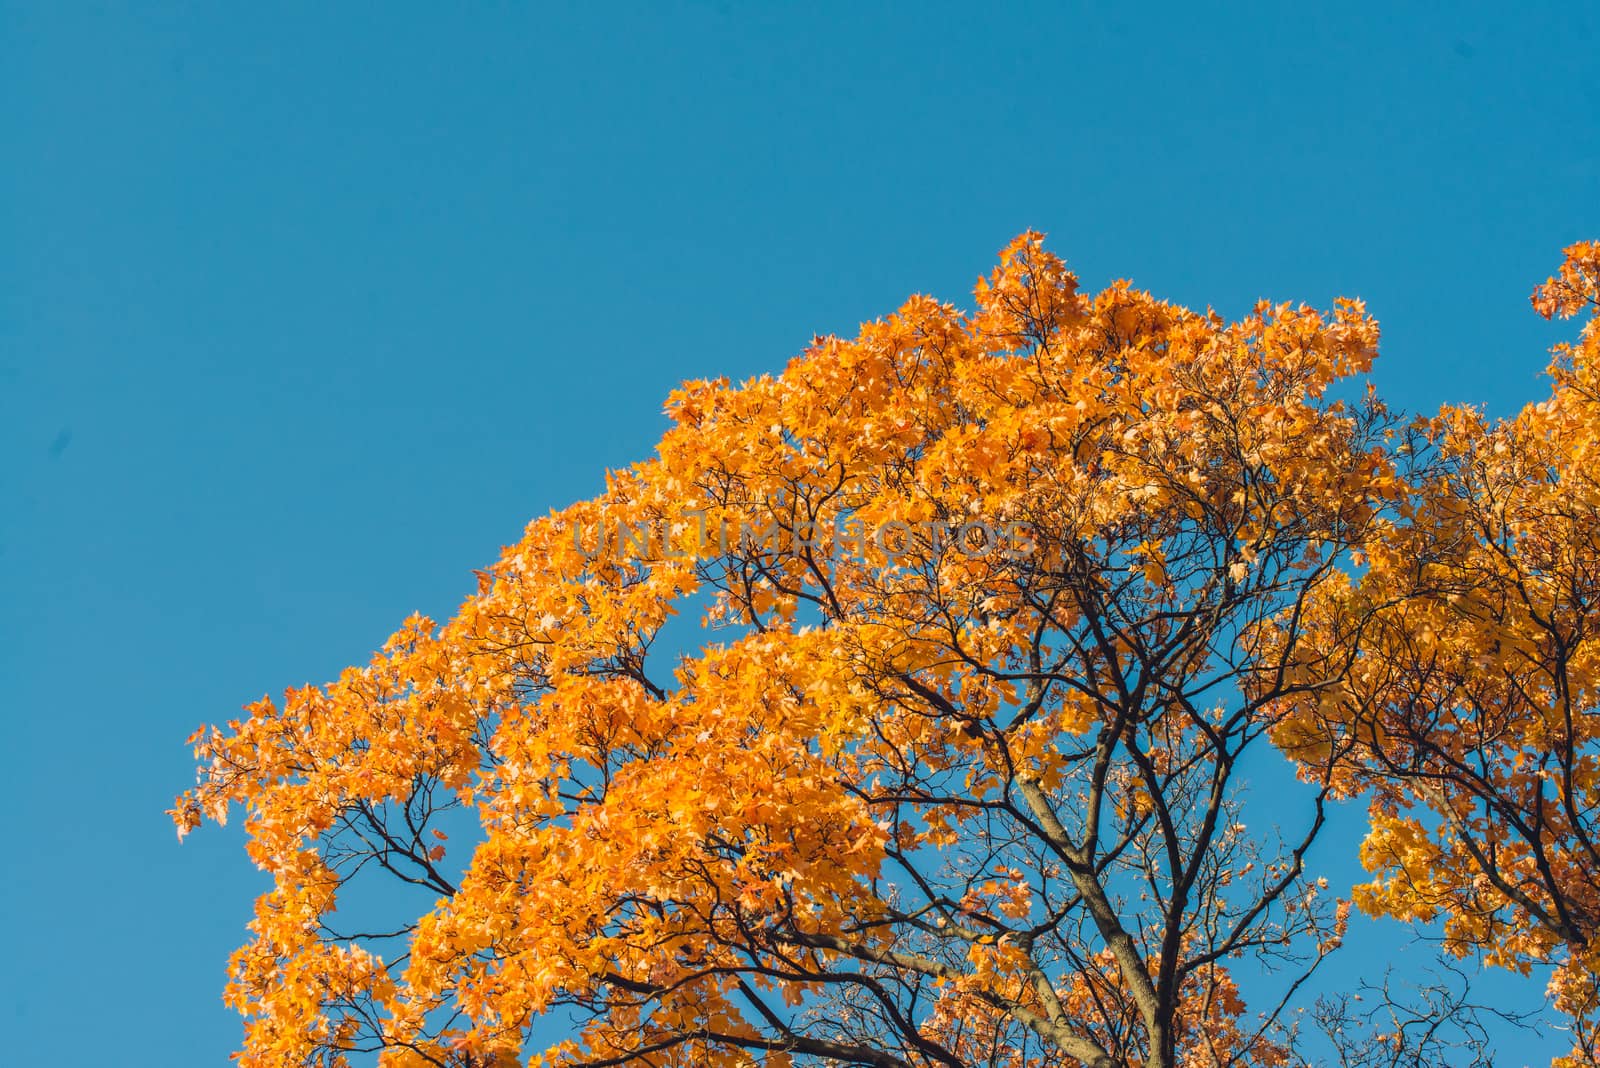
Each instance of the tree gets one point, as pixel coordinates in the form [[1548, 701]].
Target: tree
[[1457, 681], [1000, 608]]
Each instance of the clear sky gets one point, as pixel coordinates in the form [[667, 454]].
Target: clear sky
[[304, 313]]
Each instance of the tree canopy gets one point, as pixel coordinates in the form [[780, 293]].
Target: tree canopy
[[1000, 613]]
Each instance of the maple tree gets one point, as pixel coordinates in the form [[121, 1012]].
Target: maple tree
[[1458, 680], [1002, 610]]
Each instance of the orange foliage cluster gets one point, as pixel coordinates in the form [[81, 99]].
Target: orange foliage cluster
[[1459, 680], [941, 807]]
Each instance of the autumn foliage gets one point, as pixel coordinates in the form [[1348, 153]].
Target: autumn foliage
[[1459, 680], [999, 613]]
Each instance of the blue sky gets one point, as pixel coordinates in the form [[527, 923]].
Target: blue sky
[[304, 313]]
